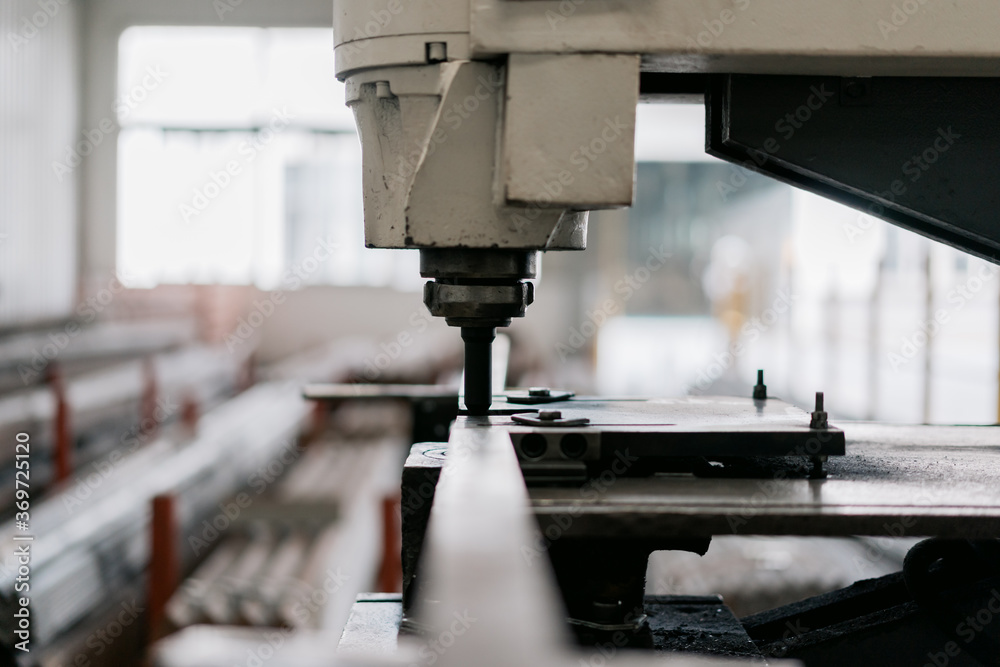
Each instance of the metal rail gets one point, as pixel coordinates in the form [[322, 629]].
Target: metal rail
[[82, 554], [480, 522]]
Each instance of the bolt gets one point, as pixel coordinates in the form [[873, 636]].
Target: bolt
[[539, 392], [817, 471], [549, 415], [760, 390], [819, 416]]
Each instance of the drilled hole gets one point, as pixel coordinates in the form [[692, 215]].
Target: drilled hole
[[534, 445], [573, 445]]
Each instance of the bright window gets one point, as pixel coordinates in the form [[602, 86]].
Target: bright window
[[238, 163]]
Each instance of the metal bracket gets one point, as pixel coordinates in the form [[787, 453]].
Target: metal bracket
[[538, 395], [549, 418]]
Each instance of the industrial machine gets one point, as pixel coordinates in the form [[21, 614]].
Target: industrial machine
[[489, 129]]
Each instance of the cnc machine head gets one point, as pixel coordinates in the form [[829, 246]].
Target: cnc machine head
[[489, 128]]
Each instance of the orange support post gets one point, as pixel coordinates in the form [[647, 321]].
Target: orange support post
[[164, 567], [62, 453], [190, 413], [390, 575], [148, 423]]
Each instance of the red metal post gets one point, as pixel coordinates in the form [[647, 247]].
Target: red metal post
[[62, 453], [390, 575], [148, 423], [248, 374], [164, 567], [190, 413]]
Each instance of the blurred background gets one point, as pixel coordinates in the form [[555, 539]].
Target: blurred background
[[212, 164], [181, 226]]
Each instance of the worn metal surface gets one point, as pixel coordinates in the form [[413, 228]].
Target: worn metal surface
[[486, 605], [703, 427], [452, 264], [565, 141], [895, 481], [697, 624], [869, 624], [419, 484], [603, 582], [474, 305], [473, 563], [537, 395], [784, 36], [373, 626], [476, 569], [757, 573], [858, 37], [430, 151]]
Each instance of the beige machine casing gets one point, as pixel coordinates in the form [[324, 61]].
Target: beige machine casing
[[498, 123]]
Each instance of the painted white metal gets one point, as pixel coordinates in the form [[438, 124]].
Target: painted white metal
[[566, 142], [551, 106], [848, 37], [493, 605], [430, 142]]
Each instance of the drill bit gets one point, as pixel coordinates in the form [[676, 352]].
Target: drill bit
[[478, 368]]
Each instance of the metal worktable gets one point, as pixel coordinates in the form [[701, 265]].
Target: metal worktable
[[894, 480]]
